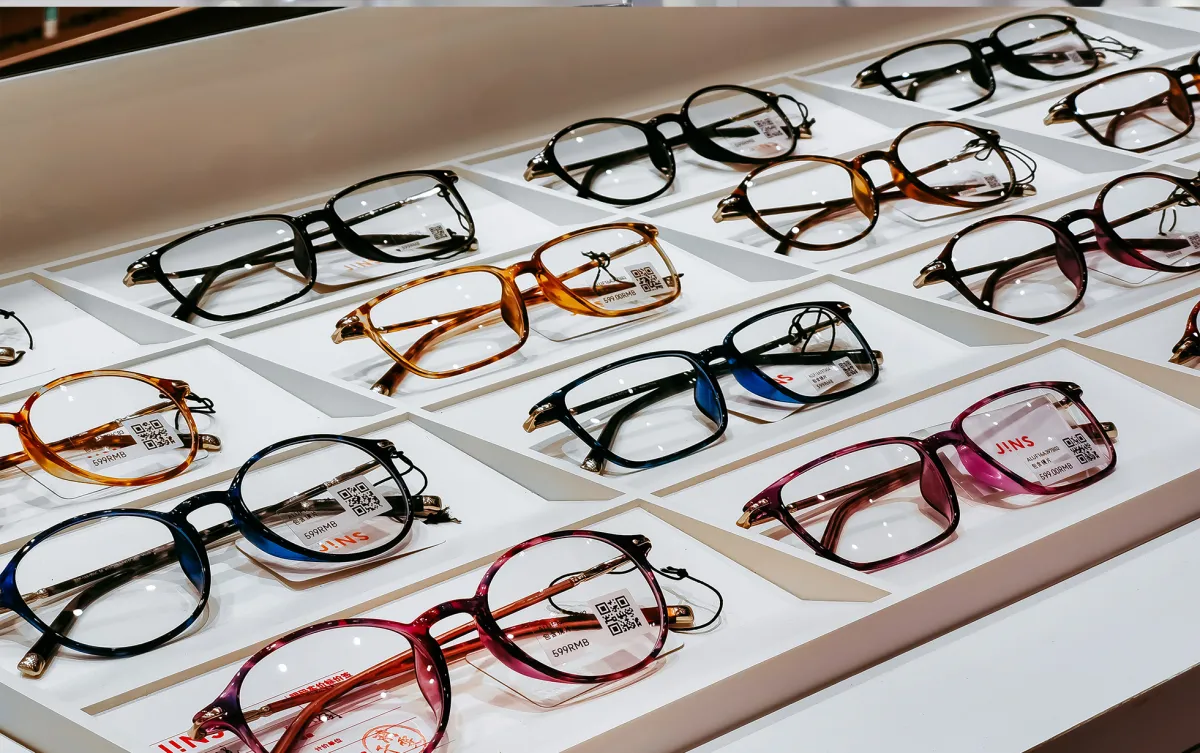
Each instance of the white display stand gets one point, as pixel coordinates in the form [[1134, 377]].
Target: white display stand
[[794, 623]]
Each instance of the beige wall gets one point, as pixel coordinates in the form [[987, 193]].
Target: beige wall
[[115, 150]]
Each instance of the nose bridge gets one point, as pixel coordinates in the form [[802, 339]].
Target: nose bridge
[[203, 499], [1079, 215], [312, 217], [434, 615], [875, 155], [666, 117]]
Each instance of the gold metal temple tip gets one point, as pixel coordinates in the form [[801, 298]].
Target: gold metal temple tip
[[878, 355], [531, 422], [348, 328], [131, 274], [929, 270], [382, 389], [529, 174], [1110, 430], [744, 521], [680, 616], [210, 442], [8, 356], [31, 666], [591, 465]]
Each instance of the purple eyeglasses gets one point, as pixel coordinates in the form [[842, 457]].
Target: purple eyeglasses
[[879, 503], [568, 607]]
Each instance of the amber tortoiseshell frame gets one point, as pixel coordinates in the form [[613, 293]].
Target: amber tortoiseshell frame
[[512, 306], [1188, 346], [46, 456], [1177, 99], [906, 183]]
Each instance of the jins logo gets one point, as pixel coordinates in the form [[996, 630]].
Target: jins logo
[[1013, 445], [340, 542], [185, 743]]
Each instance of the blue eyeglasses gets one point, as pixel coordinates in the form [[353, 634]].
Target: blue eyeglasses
[[649, 410], [124, 582]]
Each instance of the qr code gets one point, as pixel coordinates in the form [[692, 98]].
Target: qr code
[[768, 128], [647, 279], [1082, 448], [618, 615], [847, 367], [360, 498], [438, 232], [152, 434]]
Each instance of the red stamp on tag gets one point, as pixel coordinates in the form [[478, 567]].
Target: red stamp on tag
[[394, 738]]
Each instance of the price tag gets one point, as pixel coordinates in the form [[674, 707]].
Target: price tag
[[358, 500], [828, 377], [1035, 440], [150, 434], [981, 183]]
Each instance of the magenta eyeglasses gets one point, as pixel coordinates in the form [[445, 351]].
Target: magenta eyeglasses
[[879, 503], [567, 607]]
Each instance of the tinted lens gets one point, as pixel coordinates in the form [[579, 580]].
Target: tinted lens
[[615, 269], [1041, 436], [956, 163], [1049, 46], [1137, 111], [870, 504], [397, 711], [125, 607], [608, 622], [646, 410], [1014, 267], [239, 269], [114, 427], [1158, 217], [407, 217], [942, 74], [336, 499], [743, 123], [615, 161], [450, 323], [805, 351], [812, 202]]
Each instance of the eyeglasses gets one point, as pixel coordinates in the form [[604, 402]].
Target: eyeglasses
[[1033, 270], [108, 427], [124, 582], [390, 682], [1137, 111], [1188, 346], [879, 503], [841, 202], [957, 74], [625, 162], [9, 355], [613, 270], [243, 267], [670, 404]]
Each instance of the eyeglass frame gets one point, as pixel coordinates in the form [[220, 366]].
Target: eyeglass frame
[[1064, 110], [149, 269], [553, 408], [768, 505], [1107, 240], [1188, 346], [905, 182], [545, 163], [10, 356], [357, 324]]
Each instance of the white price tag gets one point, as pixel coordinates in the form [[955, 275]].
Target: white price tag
[[359, 501], [434, 233], [149, 433], [1193, 245], [981, 183], [647, 283], [828, 377], [1038, 439], [619, 616], [770, 127]]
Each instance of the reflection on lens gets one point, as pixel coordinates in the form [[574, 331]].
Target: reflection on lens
[[956, 163], [395, 712], [615, 161], [870, 504], [450, 323], [114, 427], [742, 123], [615, 269], [607, 623], [1041, 436], [645, 410], [407, 217], [335, 499], [942, 74], [120, 609], [1014, 267], [239, 269], [1137, 111], [1049, 46], [812, 202], [1157, 217], [804, 350]]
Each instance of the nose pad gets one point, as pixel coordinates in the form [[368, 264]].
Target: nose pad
[[502, 652], [426, 677], [933, 489], [1178, 103], [983, 471], [863, 194], [981, 73], [511, 311], [706, 399], [660, 156], [185, 551]]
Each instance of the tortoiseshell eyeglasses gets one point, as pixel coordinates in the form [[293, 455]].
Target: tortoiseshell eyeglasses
[[613, 270]]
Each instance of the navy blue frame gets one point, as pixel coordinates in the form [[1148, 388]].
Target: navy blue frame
[[191, 543], [709, 398]]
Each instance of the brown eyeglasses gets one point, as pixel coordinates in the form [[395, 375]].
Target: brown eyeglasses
[[110, 427], [937, 163], [611, 270], [1188, 346], [1138, 110]]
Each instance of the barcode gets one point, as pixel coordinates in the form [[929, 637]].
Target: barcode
[[359, 498], [152, 433], [438, 232], [1081, 447], [768, 128], [618, 615], [646, 278]]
